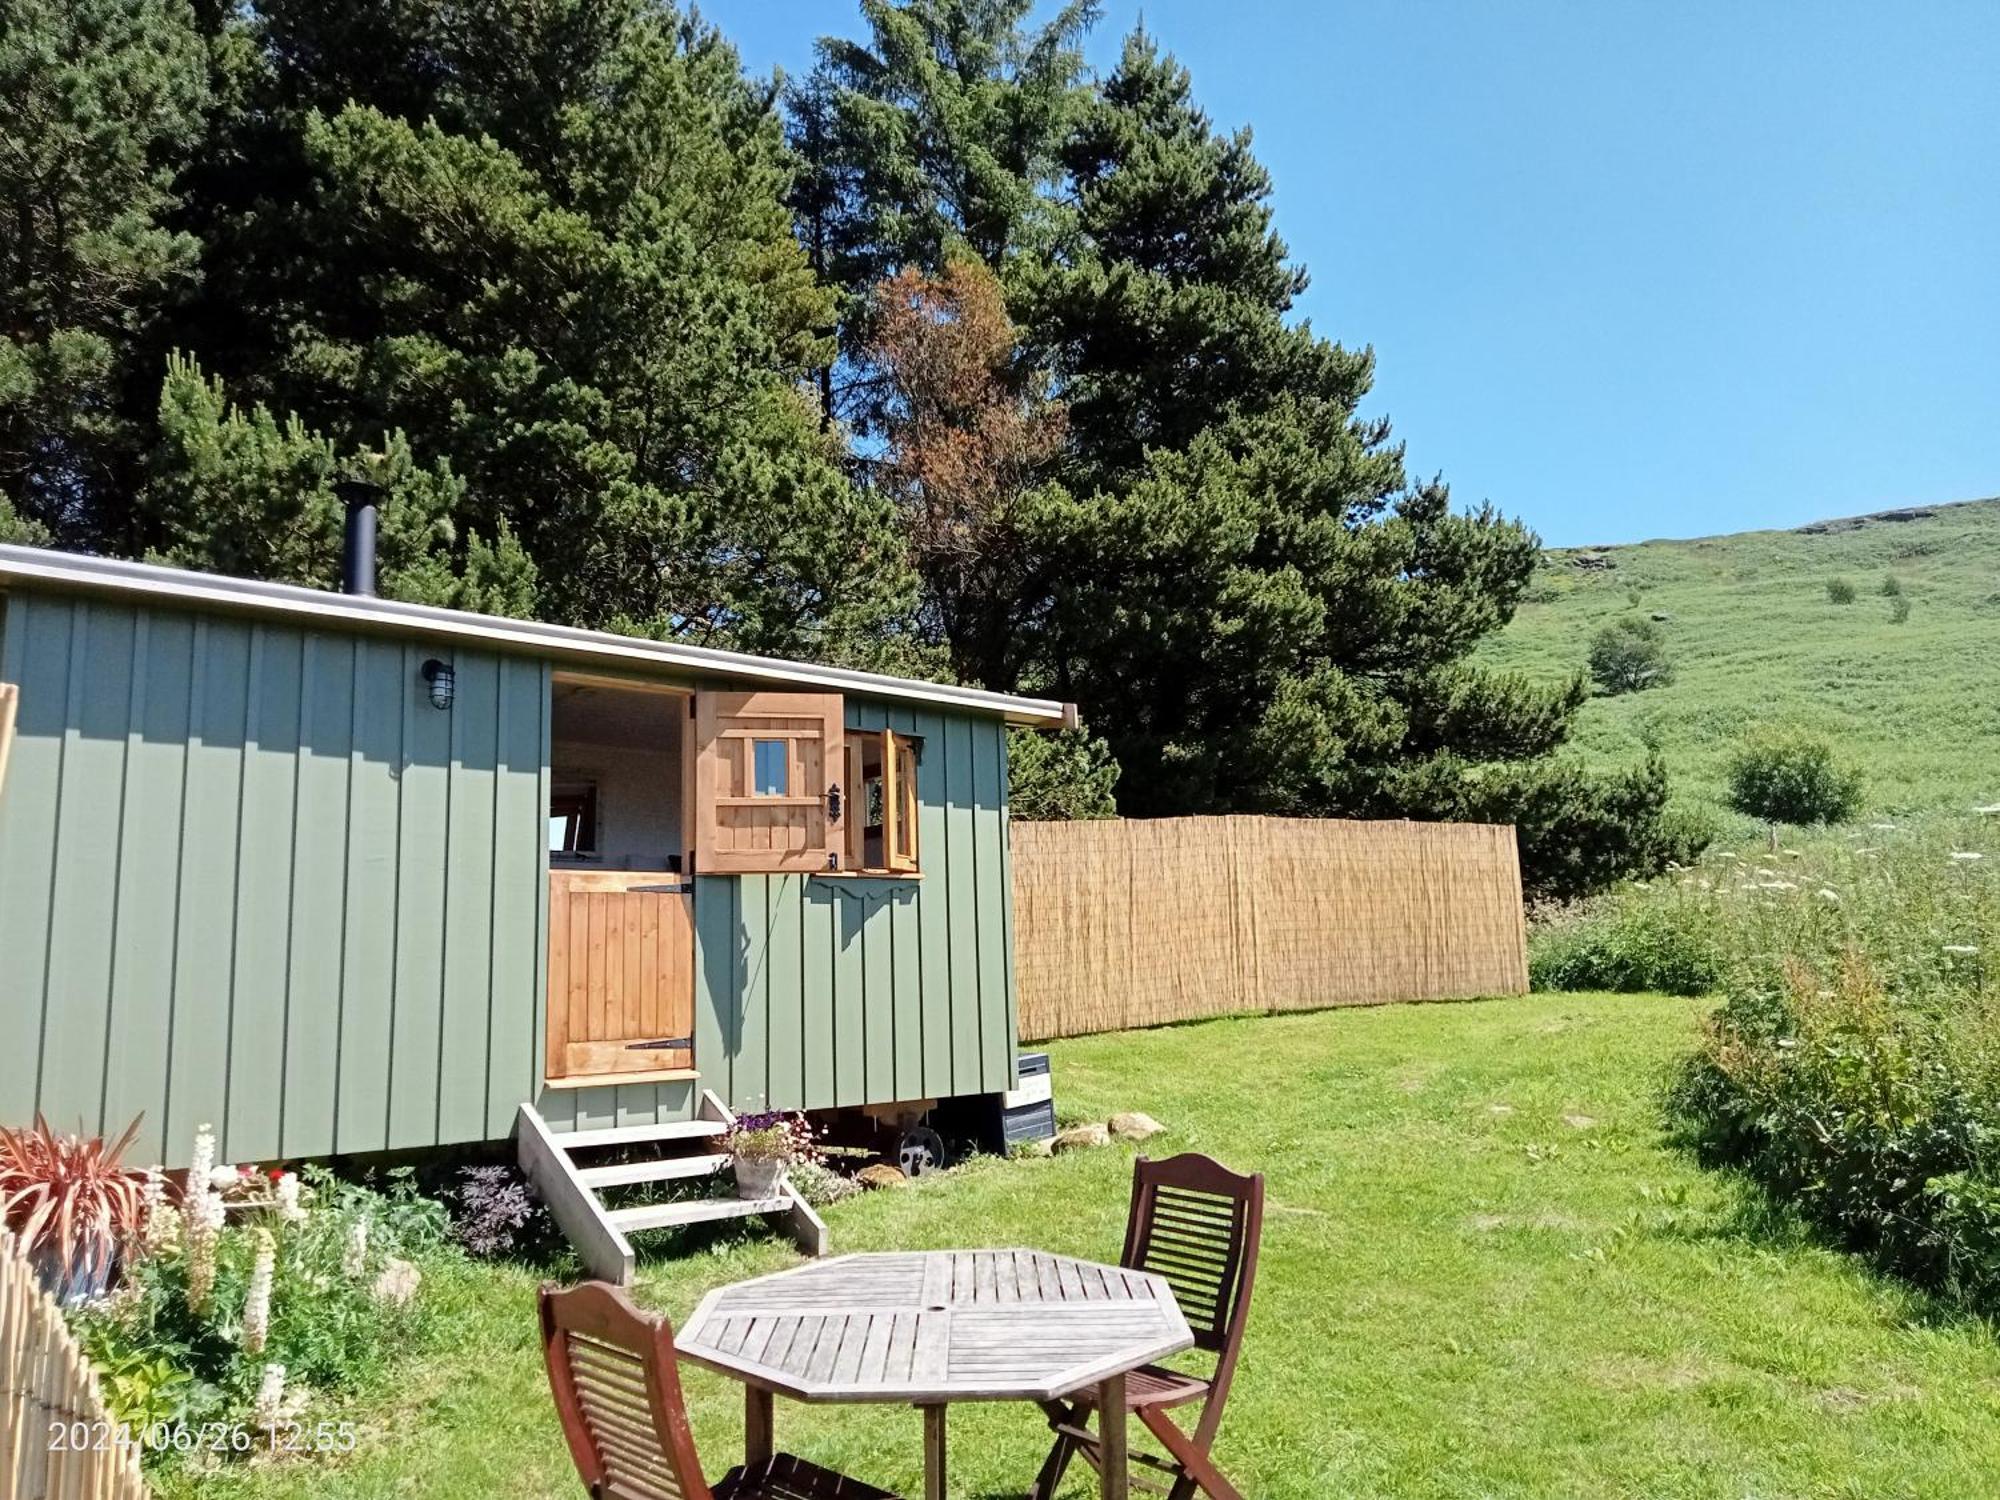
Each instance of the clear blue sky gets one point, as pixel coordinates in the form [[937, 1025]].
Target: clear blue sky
[[1630, 268]]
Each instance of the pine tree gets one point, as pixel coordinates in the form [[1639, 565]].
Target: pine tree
[[1165, 313], [939, 135], [967, 439], [102, 97], [1254, 603], [549, 244], [242, 493]]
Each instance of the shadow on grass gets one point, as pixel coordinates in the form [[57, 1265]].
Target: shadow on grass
[[1759, 1218]]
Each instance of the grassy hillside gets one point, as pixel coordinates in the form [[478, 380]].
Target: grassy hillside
[[1755, 639]]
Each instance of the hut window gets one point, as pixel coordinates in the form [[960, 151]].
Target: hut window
[[573, 819], [882, 833], [771, 770]]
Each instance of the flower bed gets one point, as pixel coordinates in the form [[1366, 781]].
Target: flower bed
[[248, 1302]]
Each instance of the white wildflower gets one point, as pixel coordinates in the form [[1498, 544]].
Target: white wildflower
[[398, 1282], [1870, 849], [289, 1207], [206, 1214], [1988, 810], [1724, 854], [354, 1255], [1962, 950], [1883, 827], [257, 1304], [1827, 893], [1966, 856], [270, 1408], [224, 1177]]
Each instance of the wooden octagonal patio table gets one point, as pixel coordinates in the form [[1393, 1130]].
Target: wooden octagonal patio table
[[934, 1327]]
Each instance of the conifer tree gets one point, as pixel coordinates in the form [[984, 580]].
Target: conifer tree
[[102, 98], [548, 243]]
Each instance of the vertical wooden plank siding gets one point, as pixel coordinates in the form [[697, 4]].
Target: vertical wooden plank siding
[[249, 877]]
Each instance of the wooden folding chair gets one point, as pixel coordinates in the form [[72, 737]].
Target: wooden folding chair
[[1196, 1223], [617, 1387]]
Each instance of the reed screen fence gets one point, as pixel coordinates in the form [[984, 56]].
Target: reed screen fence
[[1120, 924]]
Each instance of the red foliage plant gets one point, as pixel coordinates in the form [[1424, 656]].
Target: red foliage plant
[[70, 1195]]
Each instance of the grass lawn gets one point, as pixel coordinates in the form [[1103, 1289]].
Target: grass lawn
[[1484, 1276]]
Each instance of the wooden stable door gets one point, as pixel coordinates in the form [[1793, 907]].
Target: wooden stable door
[[621, 973]]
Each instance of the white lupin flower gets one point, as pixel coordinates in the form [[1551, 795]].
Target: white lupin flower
[[257, 1304], [224, 1177], [289, 1207], [203, 1161], [205, 1218], [158, 1223], [354, 1255], [270, 1407]]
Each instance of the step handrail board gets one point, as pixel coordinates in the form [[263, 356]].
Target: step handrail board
[[580, 1213]]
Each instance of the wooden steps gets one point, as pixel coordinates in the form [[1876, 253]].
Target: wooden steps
[[684, 1151]]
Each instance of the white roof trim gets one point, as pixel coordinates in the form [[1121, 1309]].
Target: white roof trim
[[33, 565]]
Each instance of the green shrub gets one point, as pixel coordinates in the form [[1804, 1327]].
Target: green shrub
[[1579, 831], [1630, 943], [1899, 609], [1629, 656], [1786, 776], [1839, 591], [1061, 775], [1892, 586]]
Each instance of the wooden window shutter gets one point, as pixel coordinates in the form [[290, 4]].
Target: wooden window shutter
[[763, 765], [900, 768]]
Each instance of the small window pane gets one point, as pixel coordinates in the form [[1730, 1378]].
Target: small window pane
[[769, 769], [573, 820]]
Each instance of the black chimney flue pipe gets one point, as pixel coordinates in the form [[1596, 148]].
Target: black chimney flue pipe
[[357, 555]]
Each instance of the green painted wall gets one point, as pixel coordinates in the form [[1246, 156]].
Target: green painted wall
[[813, 992], [250, 877]]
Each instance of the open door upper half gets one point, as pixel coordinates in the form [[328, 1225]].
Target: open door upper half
[[764, 766]]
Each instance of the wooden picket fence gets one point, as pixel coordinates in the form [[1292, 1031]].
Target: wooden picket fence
[[46, 1383], [1123, 923]]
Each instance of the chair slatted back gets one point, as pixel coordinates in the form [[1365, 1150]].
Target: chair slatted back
[[1197, 1224], [616, 1382]]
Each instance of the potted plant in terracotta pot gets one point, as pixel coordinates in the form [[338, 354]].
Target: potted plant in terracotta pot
[[763, 1147]]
